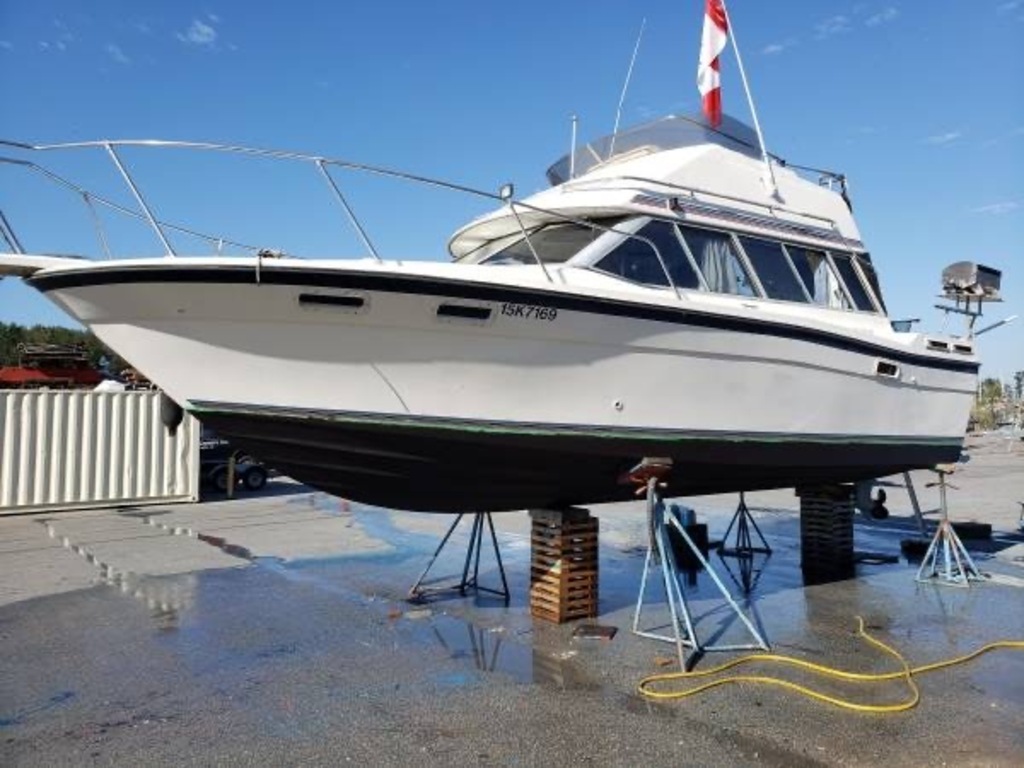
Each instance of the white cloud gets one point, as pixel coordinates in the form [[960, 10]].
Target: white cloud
[[198, 33], [7, 45], [997, 209], [883, 16], [43, 45], [779, 46], [943, 138], [832, 26], [213, 17], [1010, 5], [115, 52]]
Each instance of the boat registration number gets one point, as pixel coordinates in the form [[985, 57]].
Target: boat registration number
[[529, 311]]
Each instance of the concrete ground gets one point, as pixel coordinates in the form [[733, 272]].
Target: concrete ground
[[274, 629]]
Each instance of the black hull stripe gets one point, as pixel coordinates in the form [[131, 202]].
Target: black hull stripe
[[275, 275]]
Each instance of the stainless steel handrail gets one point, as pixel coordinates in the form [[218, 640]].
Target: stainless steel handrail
[[90, 197], [319, 161]]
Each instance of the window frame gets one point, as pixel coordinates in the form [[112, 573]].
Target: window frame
[[835, 273], [631, 227], [751, 274], [852, 256], [875, 297], [809, 300], [642, 222]]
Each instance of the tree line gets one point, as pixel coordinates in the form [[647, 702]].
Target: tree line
[[12, 335]]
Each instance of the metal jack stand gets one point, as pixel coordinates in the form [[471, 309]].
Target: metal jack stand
[[659, 550], [476, 537], [743, 522], [749, 571], [956, 567]]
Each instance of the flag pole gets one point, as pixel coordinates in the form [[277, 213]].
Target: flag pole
[[750, 100]]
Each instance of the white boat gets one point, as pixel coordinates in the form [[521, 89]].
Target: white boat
[[660, 299]]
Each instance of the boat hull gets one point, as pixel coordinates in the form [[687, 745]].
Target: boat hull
[[522, 395], [459, 467]]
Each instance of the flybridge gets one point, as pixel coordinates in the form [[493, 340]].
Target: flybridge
[[670, 132]]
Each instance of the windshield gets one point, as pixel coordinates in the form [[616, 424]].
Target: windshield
[[554, 244]]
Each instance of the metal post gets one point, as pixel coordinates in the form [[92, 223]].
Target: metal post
[[572, 150], [139, 199], [98, 224], [750, 100], [348, 211], [909, 483], [7, 232]]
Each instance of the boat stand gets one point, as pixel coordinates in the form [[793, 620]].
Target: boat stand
[[749, 570], [956, 568], [914, 503], [743, 522], [659, 551], [419, 592]]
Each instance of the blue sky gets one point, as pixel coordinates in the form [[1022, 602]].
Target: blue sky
[[921, 104]]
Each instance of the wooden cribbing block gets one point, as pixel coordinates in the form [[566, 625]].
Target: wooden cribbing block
[[564, 565]]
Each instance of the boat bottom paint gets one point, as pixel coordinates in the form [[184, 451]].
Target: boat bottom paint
[[457, 468]]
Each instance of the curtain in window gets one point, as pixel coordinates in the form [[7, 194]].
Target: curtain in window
[[827, 289], [718, 263]]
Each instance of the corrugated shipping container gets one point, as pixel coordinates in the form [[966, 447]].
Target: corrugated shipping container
[[63, 450]]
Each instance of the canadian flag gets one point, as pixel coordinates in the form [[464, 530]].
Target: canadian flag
[[716, 34]]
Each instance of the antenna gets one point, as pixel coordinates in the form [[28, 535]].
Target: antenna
[[572, 150], [750, 100], [625, 86]]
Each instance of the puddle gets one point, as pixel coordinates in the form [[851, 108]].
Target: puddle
[[489, 650], [19, 717]]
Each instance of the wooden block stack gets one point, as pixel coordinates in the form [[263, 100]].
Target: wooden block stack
[[563, 567], [826, 532]]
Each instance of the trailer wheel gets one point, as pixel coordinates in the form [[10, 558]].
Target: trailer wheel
[[219, 479], [255, 478]]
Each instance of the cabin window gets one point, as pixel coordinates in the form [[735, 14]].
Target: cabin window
[[818, 277], [860, 297], [718, 261], [634, 259], [772, 267], [868, 270], [554, 244]]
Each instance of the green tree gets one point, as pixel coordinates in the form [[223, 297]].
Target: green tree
[[991, 390], [12, 334]]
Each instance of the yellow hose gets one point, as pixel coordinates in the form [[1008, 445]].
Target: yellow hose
[[907, 673]]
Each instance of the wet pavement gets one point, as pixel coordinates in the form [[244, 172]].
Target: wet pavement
[[274, 629]]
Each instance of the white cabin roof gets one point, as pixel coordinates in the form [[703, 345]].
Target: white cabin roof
[[686, 168]]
